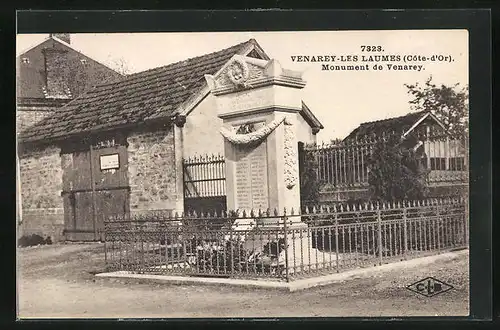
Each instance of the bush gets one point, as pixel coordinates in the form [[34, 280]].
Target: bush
[[33, 240], [396, 173], [310, 185]]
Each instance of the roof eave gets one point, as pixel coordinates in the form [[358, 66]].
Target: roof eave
[[310, 118], [166, 120], [421, 119]]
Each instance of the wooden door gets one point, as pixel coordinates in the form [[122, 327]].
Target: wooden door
[[95, 187]]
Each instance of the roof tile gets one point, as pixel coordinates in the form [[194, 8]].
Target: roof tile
[[396, 124], [151, 94]]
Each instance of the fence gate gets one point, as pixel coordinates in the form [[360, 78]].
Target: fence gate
[[204, 183], [95, 186]]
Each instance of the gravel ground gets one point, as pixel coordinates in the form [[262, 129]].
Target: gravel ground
[[58, 281]]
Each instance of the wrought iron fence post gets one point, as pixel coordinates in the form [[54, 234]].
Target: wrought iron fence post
[[183, 240], [105, 244], [337, 242], [405, 233], [286, 247], [466, 221], [141, 237], [438, 228], [379, 225]]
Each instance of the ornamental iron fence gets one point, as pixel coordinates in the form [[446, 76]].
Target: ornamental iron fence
[[204, 176], [347, 163], [287, 245]]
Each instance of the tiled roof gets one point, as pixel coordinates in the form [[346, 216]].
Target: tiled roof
[[140, 97], [390, 125]]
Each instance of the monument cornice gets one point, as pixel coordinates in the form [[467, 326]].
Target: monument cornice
[[256, 111], [283, 81]]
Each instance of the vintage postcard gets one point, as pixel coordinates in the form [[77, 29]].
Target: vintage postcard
[[243, 174]]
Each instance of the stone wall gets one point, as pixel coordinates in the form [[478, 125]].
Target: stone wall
[[41, 185], [151, 170]]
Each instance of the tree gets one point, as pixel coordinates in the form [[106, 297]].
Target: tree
[[309, 183], [120, 65], [335, 141], [450, 104], [395, 172]]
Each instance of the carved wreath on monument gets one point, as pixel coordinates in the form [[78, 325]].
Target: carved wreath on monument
[[238, 72]]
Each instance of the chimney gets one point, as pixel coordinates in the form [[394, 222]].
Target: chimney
[[62, 36], [56, 73]]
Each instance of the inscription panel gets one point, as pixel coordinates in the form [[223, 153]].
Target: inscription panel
[[244, 100], [251, 178]]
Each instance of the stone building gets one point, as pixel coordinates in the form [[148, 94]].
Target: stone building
[[52, 73], [119, 148], [49, 75]]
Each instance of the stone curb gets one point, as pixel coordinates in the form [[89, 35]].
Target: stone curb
[[295, 285]]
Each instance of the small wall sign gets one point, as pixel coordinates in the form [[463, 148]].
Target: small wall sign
[[109, 162]]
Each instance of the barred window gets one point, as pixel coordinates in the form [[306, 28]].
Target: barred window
[[457, 164], [438, 163]]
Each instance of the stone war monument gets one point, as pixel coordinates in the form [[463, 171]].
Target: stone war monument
[[259, 103]]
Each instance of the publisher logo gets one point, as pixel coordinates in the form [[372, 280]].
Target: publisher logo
[[429, 287]]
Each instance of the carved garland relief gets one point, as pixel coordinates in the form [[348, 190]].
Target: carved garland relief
[[240, 136], [246, 134]]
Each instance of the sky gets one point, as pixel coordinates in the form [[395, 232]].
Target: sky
[[340, 99]]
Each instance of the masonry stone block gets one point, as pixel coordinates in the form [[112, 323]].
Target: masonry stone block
[[152, 170]]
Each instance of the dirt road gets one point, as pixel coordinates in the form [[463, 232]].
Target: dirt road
[[58, 282]]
